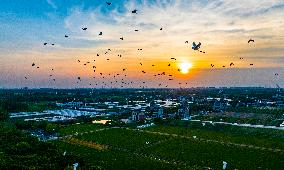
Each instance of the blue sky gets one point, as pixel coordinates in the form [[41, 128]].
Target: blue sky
[[223, 27]]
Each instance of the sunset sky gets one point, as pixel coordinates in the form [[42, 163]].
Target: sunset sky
[[222, 26]]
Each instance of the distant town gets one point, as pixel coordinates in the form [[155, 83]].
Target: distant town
[[254, 106]]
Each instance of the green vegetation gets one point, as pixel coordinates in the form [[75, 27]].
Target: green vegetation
[[175, 147], [19, 150], [275, 111], [79, 128]]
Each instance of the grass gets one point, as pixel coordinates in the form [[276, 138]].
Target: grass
[[79, 128], [226, 136], [143, 149]]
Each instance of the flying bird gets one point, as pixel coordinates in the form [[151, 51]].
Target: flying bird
[[66, 36], [101, 33], [231, 64], [134, 11], [121, 38], [196, 47], [84, 28], [44, 43], [33, 64], [250, 40], [108, 3]]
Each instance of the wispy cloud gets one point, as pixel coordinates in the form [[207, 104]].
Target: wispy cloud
[[213, 22], [52, 4]]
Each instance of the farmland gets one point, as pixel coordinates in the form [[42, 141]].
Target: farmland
[[169, 147]]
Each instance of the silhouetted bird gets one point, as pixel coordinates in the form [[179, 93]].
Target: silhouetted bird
[[26, 78], [161, 29], [52, 44], [196, 47], [134, 11], [141, 64], [173, 58], [101, 33], [169, 64], [108, 3], [84, 29], [44, 43], [231, 64], [276, 74], [121, 38], [250, 40], [136, 30], [186, 42], [251, 64], [66, 36], [33, 64]]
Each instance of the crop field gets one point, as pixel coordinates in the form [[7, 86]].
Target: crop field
[[168, 147], [79, 128]]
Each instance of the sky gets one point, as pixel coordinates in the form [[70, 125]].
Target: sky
[[222, 26]]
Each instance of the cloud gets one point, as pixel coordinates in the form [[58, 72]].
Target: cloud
[[52, 4]]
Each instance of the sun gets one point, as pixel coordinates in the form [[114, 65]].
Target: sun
[[184, 67]]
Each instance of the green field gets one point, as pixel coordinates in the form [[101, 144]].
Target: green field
[[79, 128], [168, 147]]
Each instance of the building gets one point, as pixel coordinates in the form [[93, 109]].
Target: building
[[160, 112], [137, 116]]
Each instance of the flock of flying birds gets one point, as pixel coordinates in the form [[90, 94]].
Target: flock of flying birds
[[118, 79]]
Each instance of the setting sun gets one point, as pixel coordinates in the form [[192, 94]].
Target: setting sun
[[184, 67]]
